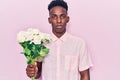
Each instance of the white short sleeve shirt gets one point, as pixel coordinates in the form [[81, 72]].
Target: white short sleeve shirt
[[67, 57]]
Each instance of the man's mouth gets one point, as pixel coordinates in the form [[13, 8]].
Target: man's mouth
[[59, 26]]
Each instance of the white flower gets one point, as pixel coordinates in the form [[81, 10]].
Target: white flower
[[33, 31], [48, 37], [33, 35], [42, 35], [36, 39], [29, 36], [21, 36]]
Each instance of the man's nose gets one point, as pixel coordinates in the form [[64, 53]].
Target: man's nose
[[59, 20]]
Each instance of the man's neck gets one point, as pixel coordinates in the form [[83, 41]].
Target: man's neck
[[58, 35]]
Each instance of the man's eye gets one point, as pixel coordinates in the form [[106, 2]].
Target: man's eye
[[54, 17], [63, 16]]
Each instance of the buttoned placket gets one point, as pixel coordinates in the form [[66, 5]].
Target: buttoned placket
[[58, 44]]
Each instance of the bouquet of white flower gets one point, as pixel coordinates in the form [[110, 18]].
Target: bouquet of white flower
[[33, 43]]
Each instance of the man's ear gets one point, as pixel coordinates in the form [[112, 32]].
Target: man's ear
[[68, 18], [49, 20]]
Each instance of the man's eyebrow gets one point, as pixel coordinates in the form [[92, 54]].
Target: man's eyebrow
[[63, 14], [60, 14], [53, 14]]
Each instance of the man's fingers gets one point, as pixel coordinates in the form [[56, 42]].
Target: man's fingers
[[30, 65], [30, 75], [31, 70]]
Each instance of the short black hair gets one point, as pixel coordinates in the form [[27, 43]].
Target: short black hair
[[55, 3]]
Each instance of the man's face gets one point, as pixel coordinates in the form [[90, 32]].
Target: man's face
[[58, 19]]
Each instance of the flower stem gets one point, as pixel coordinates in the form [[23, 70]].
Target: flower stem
[[33, 78], [33, 61]]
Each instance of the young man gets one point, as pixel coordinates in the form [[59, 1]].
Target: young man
[[68, 58]]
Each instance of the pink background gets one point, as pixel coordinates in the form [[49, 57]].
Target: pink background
[[96, 21]]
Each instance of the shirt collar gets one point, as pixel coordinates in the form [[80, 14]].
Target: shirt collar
[[62, 38]]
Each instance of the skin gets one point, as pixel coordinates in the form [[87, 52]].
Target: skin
[[58, 18], [34, 70], [85, 75]]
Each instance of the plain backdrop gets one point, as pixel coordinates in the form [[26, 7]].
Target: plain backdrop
[[96, 21]]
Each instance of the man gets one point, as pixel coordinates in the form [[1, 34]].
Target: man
[[68, 58]]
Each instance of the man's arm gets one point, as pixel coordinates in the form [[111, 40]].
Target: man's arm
[[85, 75], [39, 65]]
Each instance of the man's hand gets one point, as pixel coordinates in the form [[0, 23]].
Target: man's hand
[[85, 75], [32, 70]]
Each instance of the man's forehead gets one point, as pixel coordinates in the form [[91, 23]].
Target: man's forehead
[[58, 10]]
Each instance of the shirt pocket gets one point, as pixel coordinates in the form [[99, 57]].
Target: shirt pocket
[[70, 62]]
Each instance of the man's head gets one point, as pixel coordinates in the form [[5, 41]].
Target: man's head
[[58, 17], [55, 3]]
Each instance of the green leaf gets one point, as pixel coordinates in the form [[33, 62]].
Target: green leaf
[[25, 54], [43, 47], [38, 47], [33, 61], [40, 58], [36, 53], [32, 53], [23, 44], [33, 46], [27, 51], [28, 57], [44, 52], [29, 61]]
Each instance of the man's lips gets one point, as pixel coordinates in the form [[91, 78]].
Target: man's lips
[[59, 26]]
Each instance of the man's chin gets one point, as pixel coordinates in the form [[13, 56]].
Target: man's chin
[[60, 32]]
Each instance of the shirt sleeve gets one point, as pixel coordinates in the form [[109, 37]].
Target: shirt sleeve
[[84, 58]]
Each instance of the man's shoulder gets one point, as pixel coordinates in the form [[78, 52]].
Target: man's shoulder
[[76, 38]]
